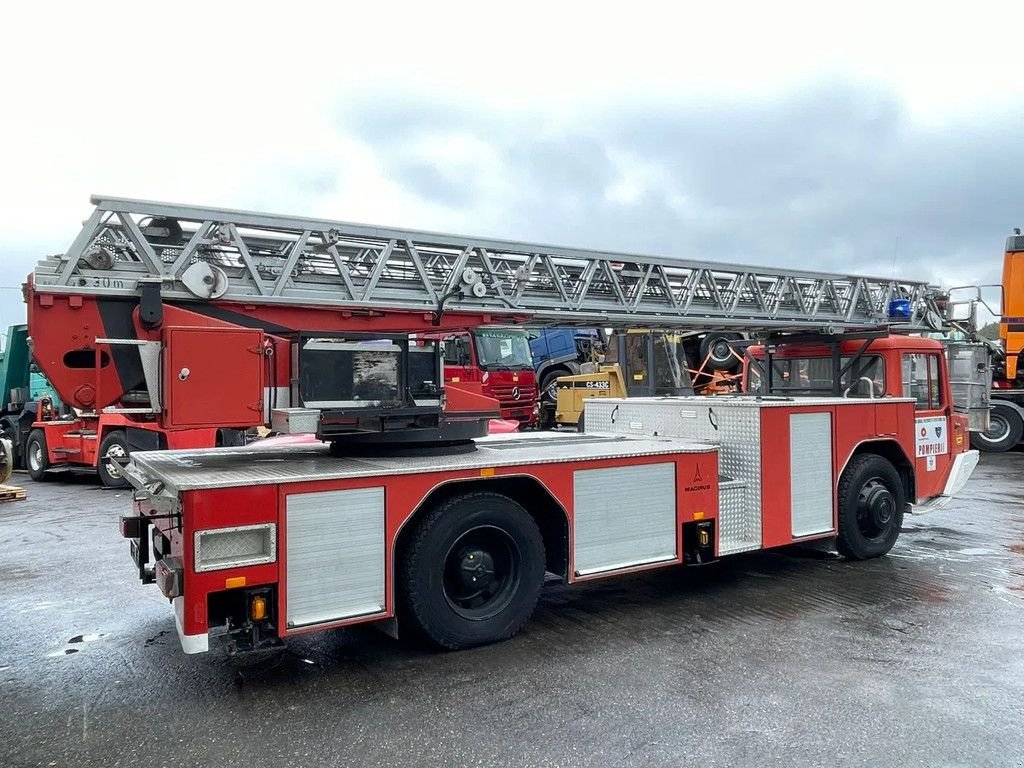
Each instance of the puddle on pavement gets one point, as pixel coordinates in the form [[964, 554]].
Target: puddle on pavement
[[65, 652]]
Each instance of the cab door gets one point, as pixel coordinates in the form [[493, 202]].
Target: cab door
[[458, 360], [922, 374], [636, 364]]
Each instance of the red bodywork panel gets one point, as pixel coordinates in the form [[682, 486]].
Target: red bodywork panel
[[515, 391], [76, 442], [64, 329], [852, 426], [213, 375], [219, 508], [917, 432], [404, 496]]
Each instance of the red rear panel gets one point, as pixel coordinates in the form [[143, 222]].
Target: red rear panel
[[213, 377]]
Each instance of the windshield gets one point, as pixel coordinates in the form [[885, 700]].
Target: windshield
[[797, 376], [502, 348], [670, 371]]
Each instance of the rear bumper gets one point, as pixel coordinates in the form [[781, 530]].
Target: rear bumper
[[961, 471], [189, 643]]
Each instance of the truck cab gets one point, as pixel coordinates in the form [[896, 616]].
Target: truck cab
[[499, 359], [562, 352], [905, 367]]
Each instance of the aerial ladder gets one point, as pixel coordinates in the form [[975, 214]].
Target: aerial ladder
[[178, 317]]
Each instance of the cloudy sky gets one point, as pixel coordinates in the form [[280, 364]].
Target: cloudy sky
[[880, 138]]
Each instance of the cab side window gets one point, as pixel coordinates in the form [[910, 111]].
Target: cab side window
[[921, 381], [452, 351]]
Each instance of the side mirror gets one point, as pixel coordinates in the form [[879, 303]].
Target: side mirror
[[962, 312]]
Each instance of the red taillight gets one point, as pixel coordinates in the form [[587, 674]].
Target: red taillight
[[999, 384]]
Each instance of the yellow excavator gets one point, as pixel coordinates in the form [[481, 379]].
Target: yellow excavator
[[639, 363]]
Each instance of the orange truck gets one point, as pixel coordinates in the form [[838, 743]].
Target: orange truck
[[1006, 418]]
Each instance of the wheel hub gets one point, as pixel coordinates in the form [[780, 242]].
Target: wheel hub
[[477, 569], [877, 507], [998, 429], [114, 453], [480, 572]]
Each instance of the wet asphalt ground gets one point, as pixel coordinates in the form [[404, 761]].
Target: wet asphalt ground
[[787, 659]]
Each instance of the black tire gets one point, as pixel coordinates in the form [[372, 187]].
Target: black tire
[[483, 536], [230, 438], [1005, 429], [871, 501], [716, 349], [114, 445], [37, 456], [580, 427], [548, 383]]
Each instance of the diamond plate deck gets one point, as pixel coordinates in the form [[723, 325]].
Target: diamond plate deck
[[731, 423], [230, 467]]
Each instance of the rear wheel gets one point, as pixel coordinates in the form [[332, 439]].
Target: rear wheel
[[37, 455], [113, 454], [871, 501], [1004, 432], [472, 572]]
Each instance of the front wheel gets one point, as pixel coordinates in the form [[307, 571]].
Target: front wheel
[[37, 455], [1005, 429], [472, 572], [113, 454], [871, 500]]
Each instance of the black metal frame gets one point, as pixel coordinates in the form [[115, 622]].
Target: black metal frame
[[648, 389], [833, 341], [400, 421], [404, 405]]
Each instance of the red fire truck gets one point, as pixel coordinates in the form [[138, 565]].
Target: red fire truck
[[499, 360], [407, 516], [103, 442]]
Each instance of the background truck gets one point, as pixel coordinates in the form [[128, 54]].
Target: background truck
[[563, 352], [498, 359], [1006, 425], [637, 363], [47, 437], [1004, 429], [27, 395], [404, 517]]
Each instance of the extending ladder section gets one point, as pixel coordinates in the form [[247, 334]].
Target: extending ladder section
[[202, 254]]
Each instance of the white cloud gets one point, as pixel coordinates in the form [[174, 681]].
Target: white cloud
[[236, 104]]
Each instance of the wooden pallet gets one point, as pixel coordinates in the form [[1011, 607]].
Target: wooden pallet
[[12, 493]]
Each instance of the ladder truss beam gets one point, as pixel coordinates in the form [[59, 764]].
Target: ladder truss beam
[[265, 259]]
